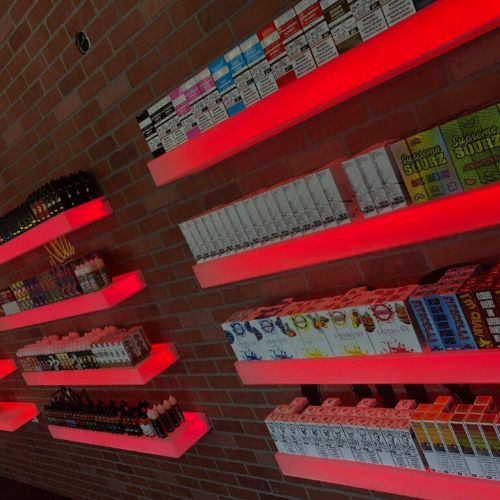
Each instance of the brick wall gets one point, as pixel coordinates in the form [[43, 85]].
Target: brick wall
[[61, 111]]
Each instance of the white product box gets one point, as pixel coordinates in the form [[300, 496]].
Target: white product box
[[353, 440], [425, 443], [162, 114], [276, 216], [185, 228], [213, 234], [387, 172], [364, 436], [307, 202], [273, 338], [242, 76], [247, 223], [242, 240], [333, 196], [340, 438], [148, 129], [397, 10], [297, 208], [480, 447], [247, 345], [374, 183], [316, 30], [273, 428], [369, 17], [410, 449], [291, 222], [196, 102], [379, 442], [221, 232], [330, 444], [359, 187], [443, 459], [259, 66], [320, 200], [257, 222], [295, 43], [211, 98], [205, 237], [229, 229], [394, 444], [184, 115], [308, 437], [294, 435], [265, 215]]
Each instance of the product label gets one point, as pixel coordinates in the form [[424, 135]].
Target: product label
[[226, 86], [211, 99], [359, 188], [242, 77]]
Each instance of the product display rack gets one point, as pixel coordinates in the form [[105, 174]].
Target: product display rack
[[7, 366], [336, 81], [122, 287], [174, 446], [399, 481], [66, 222], [402, 368], [162, 357], [455, 214], [14, 415]]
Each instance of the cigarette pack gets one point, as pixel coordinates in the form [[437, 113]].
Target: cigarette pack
[[307, 435], [226, 86], [247, 224], [333, 196], [256, 220], [386, 169], [162, 114], [183, 110], [474, 145], [359, 188], [195, 100], [369, 17], [242, 237], [367, 441], [291, 223], [432, 160], [259, 66], [276, 216], [185, 228], [316, 30], [276, 55], [295, 43], [242, 76], [373, 182], [321, 202], [148, 130], [487, 427], [211, 98], [307, 202], [341, 23], [397, 10], [270, 227], [293, 433], [488, 297], [296, 207]]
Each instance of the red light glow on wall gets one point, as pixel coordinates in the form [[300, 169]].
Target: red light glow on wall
[[123, 287], [433, 31], [7, 366], [14, 415], [436, 219], [174, 446]]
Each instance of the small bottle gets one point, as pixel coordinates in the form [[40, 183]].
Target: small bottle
[[176, 409], [153, 417], [165, 419]]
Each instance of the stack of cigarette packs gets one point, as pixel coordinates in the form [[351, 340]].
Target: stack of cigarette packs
[[294, 44], [287, 210], [357, 323], [361, 433], [445, 437]]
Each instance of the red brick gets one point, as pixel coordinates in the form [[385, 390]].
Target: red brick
[[92, 86], [151, 8], [119, 62], [152, 35], [17, 63], [137, 101], [19, 36], [113, 92], [52, 74], [255, 15], [67, 106], [146, 65], [182, 9], [265, 177], [172, 74], [13, 133], [102, 148], [127, 29], [334, 276], [57, 17], [213, 45], [284, 286], [6, 27], [216, 12], [160, 199]]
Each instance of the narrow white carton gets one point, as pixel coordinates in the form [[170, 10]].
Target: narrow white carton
[[333, 196], [373, 183], [297, 208], [307, 202], [320, 200], [291, 222], [359, 188]]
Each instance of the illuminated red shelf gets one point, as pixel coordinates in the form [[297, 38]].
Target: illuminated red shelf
[[410, 368], [123, 287], [390, 54], [449, 216], [406, 482], [15, 415], [7, 366], [175, 445], [161, 357], [55, 227]]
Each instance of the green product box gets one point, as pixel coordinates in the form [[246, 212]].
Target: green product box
[[474, 144]]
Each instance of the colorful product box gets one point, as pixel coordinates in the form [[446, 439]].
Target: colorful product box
[[442, 423], [226, 86], [443, 458], [180, 106], [148, 130], [259, 66], [276, 55], [442, 320], [274, 335], [369, 17], [295, 43], [359, 187], [474, 145], [195, 100], [184, 112], [162, 114], [211, 98], [246, 344], [242, 76], [341, 23], [316, 30]]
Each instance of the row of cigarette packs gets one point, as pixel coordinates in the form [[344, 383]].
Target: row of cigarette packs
[[461, 439], [297, 42], [460, 311], [106, 347]]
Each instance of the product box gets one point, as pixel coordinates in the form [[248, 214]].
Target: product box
[[242, 76], [195, 100], [397, 10], [276, 216], [226, 86], [205, 237], [403, 431], [220, 231], [382, 158], [329, 442], [250, 229], [442, 422], [488, 429], [333, 196], [380, 445], [184, 113], [245, 342], [148, 130], [340, 438], [353, 439], [213, 234], [373, 182], [487, 296], [341, 24], [242, 237], [291, 222], [295, 43], [369, 17], [441, 320], [443, 458], [307, 202], [296, 207], [197, 252], [211, 98], [359, 188], [316, 30], [473, 142], [256, 220], [259, 66], [163, 115], [178, 130], [320, 200], [276, 55], [222, 219], [265, 215], [422, 436]]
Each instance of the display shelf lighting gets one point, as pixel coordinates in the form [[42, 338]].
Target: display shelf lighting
[[14, 415]]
